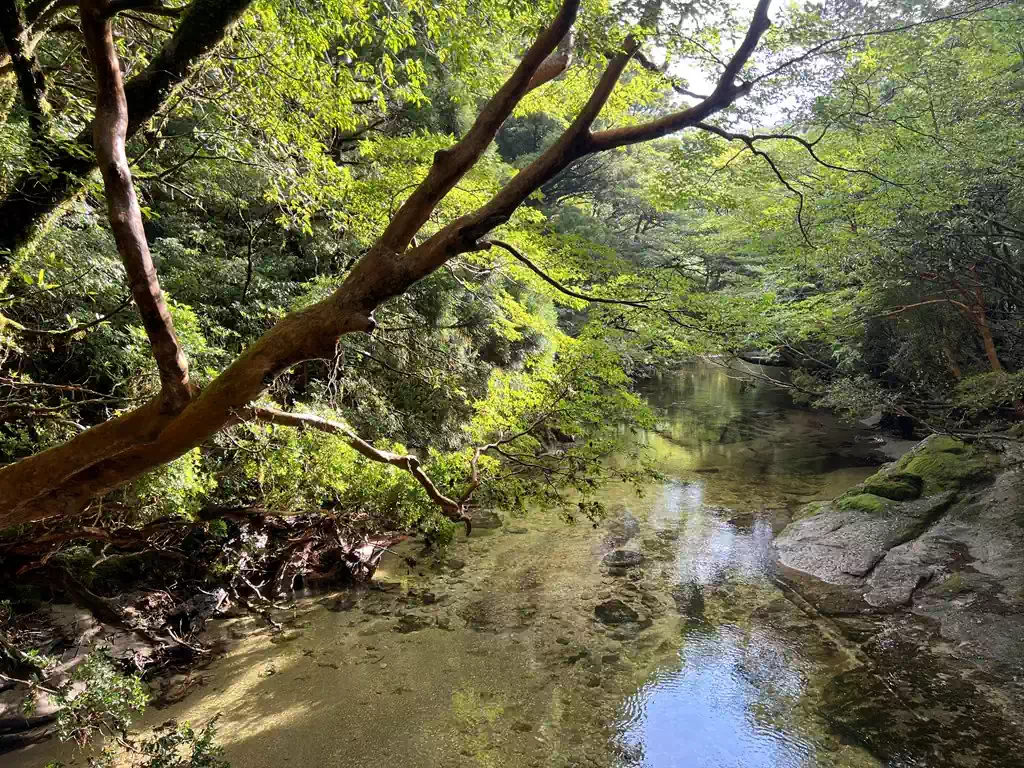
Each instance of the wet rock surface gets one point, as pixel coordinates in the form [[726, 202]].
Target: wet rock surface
[[615, 612], [938, 584], [622, 558]]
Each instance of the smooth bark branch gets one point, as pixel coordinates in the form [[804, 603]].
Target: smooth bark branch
[[36, 197], [110, 127], [725, 93], [452, 164], [31, 83], [555, 64]]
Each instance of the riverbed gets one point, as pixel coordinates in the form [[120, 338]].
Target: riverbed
[[661, 637]]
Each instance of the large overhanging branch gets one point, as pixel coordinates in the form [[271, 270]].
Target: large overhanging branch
[[35, 197], [110, 127], [65, 479]]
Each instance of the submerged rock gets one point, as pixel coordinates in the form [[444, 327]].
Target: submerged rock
[[411, 623], [487, 519], [623, 558], [615, 612]]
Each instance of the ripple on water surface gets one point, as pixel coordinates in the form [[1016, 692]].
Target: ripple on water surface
[[703, 713]]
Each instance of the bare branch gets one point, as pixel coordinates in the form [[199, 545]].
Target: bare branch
[[749, 141], [452, 509], [808, 145], [674, 84], [75, 328], [485, 244]]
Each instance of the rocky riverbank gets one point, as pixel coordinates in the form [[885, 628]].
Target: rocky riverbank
[[927, 556]]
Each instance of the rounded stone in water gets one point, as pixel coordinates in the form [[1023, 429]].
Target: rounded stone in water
[[623, 558], [615, 612]]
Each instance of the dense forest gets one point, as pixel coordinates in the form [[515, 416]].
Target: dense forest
[[284, 280]]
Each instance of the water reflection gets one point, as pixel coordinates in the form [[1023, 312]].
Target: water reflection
[[713, 550], [734, 454], [747, 444], [717, 708]]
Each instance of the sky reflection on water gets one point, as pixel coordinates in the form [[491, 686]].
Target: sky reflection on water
[[728, 699]]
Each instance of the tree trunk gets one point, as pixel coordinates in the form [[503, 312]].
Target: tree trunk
[[14, 34]]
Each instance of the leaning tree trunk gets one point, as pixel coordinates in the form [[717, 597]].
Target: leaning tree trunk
[[64, 479]]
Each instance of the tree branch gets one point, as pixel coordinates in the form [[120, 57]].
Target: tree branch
[[34, 197], [486, 244], [808, 145], [451, 164], [674, 84], [76, 328], [451, 508], [725, 93], [110, 127]]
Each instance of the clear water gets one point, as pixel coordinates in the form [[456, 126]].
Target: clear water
[[508, 665]]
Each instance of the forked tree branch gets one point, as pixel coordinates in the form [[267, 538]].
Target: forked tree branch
[[807, 145], [676, 85], [725, 93], [453, 163]]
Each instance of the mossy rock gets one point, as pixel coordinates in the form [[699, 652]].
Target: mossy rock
[[940, 463], [944, 463], [898, 486], [810, 510], [865, 502]]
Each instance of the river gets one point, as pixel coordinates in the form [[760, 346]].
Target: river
[[660, 638]]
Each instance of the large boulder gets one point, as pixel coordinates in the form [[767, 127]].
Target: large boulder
[[954, 554]]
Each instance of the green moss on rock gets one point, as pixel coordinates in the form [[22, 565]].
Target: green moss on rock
[[866, 502], [940, 463], [944, 463], [898, 486]]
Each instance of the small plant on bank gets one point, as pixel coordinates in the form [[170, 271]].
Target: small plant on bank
[[101, 701]]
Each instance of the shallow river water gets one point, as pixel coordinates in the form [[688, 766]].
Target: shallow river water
[[660, 638]]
